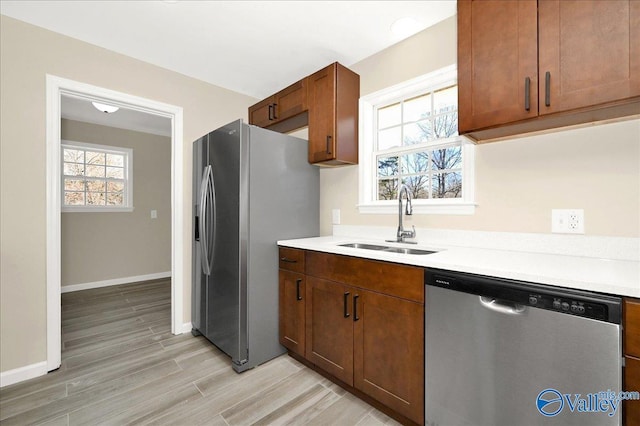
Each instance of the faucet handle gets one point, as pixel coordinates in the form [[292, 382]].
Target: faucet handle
[[412, 234]]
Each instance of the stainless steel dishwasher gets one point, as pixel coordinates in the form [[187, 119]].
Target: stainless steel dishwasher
[[503, 352]]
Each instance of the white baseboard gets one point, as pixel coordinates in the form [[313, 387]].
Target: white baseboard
[[186, 327], [23, 373], [114, 281]]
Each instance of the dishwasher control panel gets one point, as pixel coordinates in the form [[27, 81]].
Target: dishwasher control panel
[[519, 294], [571, 305]]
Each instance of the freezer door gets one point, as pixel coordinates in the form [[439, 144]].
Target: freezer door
[[224, 307]]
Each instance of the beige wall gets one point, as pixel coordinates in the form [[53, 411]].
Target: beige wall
[[27, 54], [107, 245], [518, 182]]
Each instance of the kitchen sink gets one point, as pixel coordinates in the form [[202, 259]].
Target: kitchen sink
[[389, 249]]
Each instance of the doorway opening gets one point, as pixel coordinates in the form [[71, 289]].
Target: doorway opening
[[57, 88]]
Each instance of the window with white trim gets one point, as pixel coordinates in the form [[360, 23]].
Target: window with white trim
[[96, 177], [409, 135]]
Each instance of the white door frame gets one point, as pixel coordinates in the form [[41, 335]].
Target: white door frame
[[56, 87]]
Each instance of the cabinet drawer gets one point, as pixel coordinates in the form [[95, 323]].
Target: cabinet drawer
[[632, 383], [632, 327], [291, 259], [392, 279]]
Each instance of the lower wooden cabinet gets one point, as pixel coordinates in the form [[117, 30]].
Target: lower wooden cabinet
[[357, 332], [292, 311], [330, 328], [632, 383], [631, 338]]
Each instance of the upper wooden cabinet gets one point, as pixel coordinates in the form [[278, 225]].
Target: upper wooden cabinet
[[533, 65], [333, 116], [282, 106], [326, 101]]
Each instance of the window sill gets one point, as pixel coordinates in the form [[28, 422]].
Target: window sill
[[461, 208], [96, 209]]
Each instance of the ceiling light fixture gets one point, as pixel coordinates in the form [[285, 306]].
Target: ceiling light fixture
[[405, 27], [105, 108]]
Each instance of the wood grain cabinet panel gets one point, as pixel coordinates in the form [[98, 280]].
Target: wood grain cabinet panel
[[530, 65], [389, 351], [632, 327], [329, 337], [631, 408], [292, 311], [493, 66]]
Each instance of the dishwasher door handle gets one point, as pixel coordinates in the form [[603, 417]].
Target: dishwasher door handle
[[502, 306]]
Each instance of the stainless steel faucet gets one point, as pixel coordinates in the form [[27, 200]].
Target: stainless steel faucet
[[403, 233]]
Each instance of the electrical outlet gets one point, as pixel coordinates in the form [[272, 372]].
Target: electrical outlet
[[569, 221]]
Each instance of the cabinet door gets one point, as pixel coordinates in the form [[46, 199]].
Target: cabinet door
[[329, 337], [389, 352], [632, 383], [292, 311], [497, 53], [322, 114], [290, 101], [261, 114], [591, 52]]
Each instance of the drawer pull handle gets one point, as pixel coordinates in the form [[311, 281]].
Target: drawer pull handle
[[286, 259], [270, 112], [355, 308], [298, 297], [346, 312], [274, 111]]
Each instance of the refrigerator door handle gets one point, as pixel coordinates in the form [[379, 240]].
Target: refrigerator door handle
[[204, 238], [211, 205]]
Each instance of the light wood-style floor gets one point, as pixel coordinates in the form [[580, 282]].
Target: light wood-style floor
[[122, 365]]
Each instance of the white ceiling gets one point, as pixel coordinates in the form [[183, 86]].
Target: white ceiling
[[251, 47]]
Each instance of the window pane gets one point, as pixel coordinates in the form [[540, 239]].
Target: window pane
[[96, 185], [445, 100], [74, 198], [95, 171], [73, 169], [115, 186], [73, 155], [417, 162], [417, 132], [447, 185], [387, 189], [74, 185], [115, 172], [417, 108], [95, 198], [115, 160], [389, 138], [95, 157], [445, 126], [387, 166], [447, 158], [115, 199], [418, 186], [389, 116]]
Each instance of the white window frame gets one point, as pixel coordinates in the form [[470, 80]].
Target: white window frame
[[367, 167], [128, 169]]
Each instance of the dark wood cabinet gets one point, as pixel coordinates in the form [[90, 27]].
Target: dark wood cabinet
[[330, 328], [364, 325], [631, 338], [388, 336], [280, 107], [326, 101], [534, 65], [333, 118], [292, 300]]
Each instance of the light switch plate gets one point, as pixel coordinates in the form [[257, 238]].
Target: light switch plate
[[154, 214], [335, 216]]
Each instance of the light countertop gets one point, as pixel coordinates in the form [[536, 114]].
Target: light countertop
[[619, 277]]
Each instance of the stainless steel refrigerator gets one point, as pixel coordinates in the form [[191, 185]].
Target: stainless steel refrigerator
[[251, 188]]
